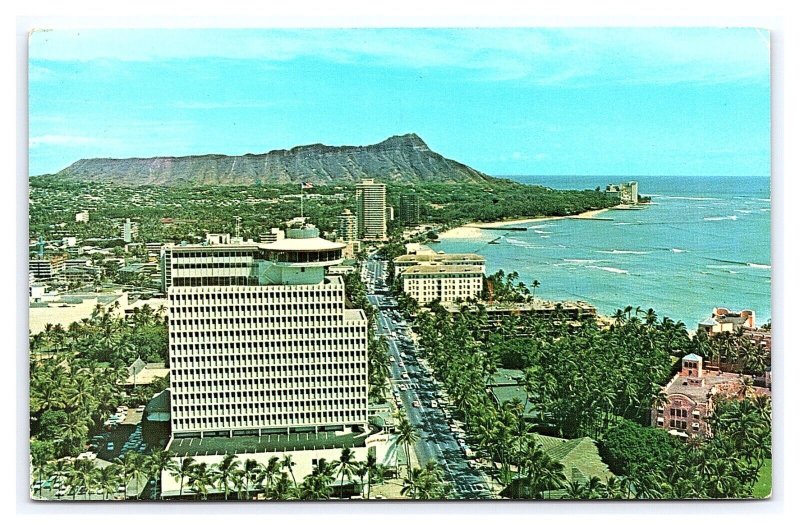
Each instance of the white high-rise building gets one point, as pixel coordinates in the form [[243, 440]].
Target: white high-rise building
[[371, 206], [130, 230], [260, 340], [348, 226]]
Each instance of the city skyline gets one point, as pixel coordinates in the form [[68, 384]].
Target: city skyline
[[505, 101]]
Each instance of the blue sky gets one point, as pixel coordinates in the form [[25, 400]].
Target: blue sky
[[629, 101]]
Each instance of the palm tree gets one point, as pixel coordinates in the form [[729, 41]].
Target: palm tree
[[346, 466], [535, 285], [184, 471], [317, 485], [407, 435], [158, 462], [283, 489], [224, 470], [371, 465], [200, 479], [108, 478], [288, 463], [575, 490], [271, 471], [252, 471]]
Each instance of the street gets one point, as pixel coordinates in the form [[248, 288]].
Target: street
[[437, 441]]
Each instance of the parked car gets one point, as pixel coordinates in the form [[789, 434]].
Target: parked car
[[110, 446], [416, 404]]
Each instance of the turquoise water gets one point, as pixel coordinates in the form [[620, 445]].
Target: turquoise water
[[704, 242]]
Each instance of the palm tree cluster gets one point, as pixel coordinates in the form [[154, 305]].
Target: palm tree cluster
[[106, 337], [581, 380], [377, 347], [426, 483], [275, 480], [85, 477], [656, 465], [75, 374]]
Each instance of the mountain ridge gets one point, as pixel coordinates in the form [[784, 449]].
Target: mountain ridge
[[398, 159]]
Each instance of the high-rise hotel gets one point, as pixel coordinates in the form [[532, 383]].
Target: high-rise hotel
[[260, 340], [371, 208]]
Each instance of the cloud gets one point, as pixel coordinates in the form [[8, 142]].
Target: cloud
[[544, 56], [63, 140]]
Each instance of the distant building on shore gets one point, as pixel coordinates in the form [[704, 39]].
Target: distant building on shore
[[371, 210], [691, 394], [628, 192], [409, 210]]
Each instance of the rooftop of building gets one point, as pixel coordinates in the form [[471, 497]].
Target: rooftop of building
[[537, 304], [443, 269], [197, 446], [414, 258], [699, 388]]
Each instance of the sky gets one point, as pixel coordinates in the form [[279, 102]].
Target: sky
[[624, 101]]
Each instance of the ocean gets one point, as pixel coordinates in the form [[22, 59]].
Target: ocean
[[703, 242]]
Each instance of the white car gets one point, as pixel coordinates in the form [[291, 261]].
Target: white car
[[403, 388], [434, 404], [416, 404], [405, 375]]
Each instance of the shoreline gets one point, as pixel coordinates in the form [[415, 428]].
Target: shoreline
[[474, 230]]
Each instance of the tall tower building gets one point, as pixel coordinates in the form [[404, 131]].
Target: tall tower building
[[371, 201], [409, 209], [260, 340], [130, 230], [348, 226]]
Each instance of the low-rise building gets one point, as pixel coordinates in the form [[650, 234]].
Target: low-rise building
[[82, 216], [47, 268], [422, 257], [689, 397], [306, 449], [743, 322], [446, 283], [496, 312]]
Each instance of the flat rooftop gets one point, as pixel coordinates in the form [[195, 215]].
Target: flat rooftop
[[684, 384], [419, 258], [534, 305], [443, 269], [197, 446]]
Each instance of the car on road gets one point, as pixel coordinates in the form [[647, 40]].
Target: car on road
[[403, 388], [405, 375], [434, 404], [417, 404], [401, 364]]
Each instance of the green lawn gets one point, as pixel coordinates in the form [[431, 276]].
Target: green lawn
[[763, 488]]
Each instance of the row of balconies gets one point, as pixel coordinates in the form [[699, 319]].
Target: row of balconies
[[205, 384], [202, 409]]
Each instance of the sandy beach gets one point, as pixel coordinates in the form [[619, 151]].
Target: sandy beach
[[473, 230]]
